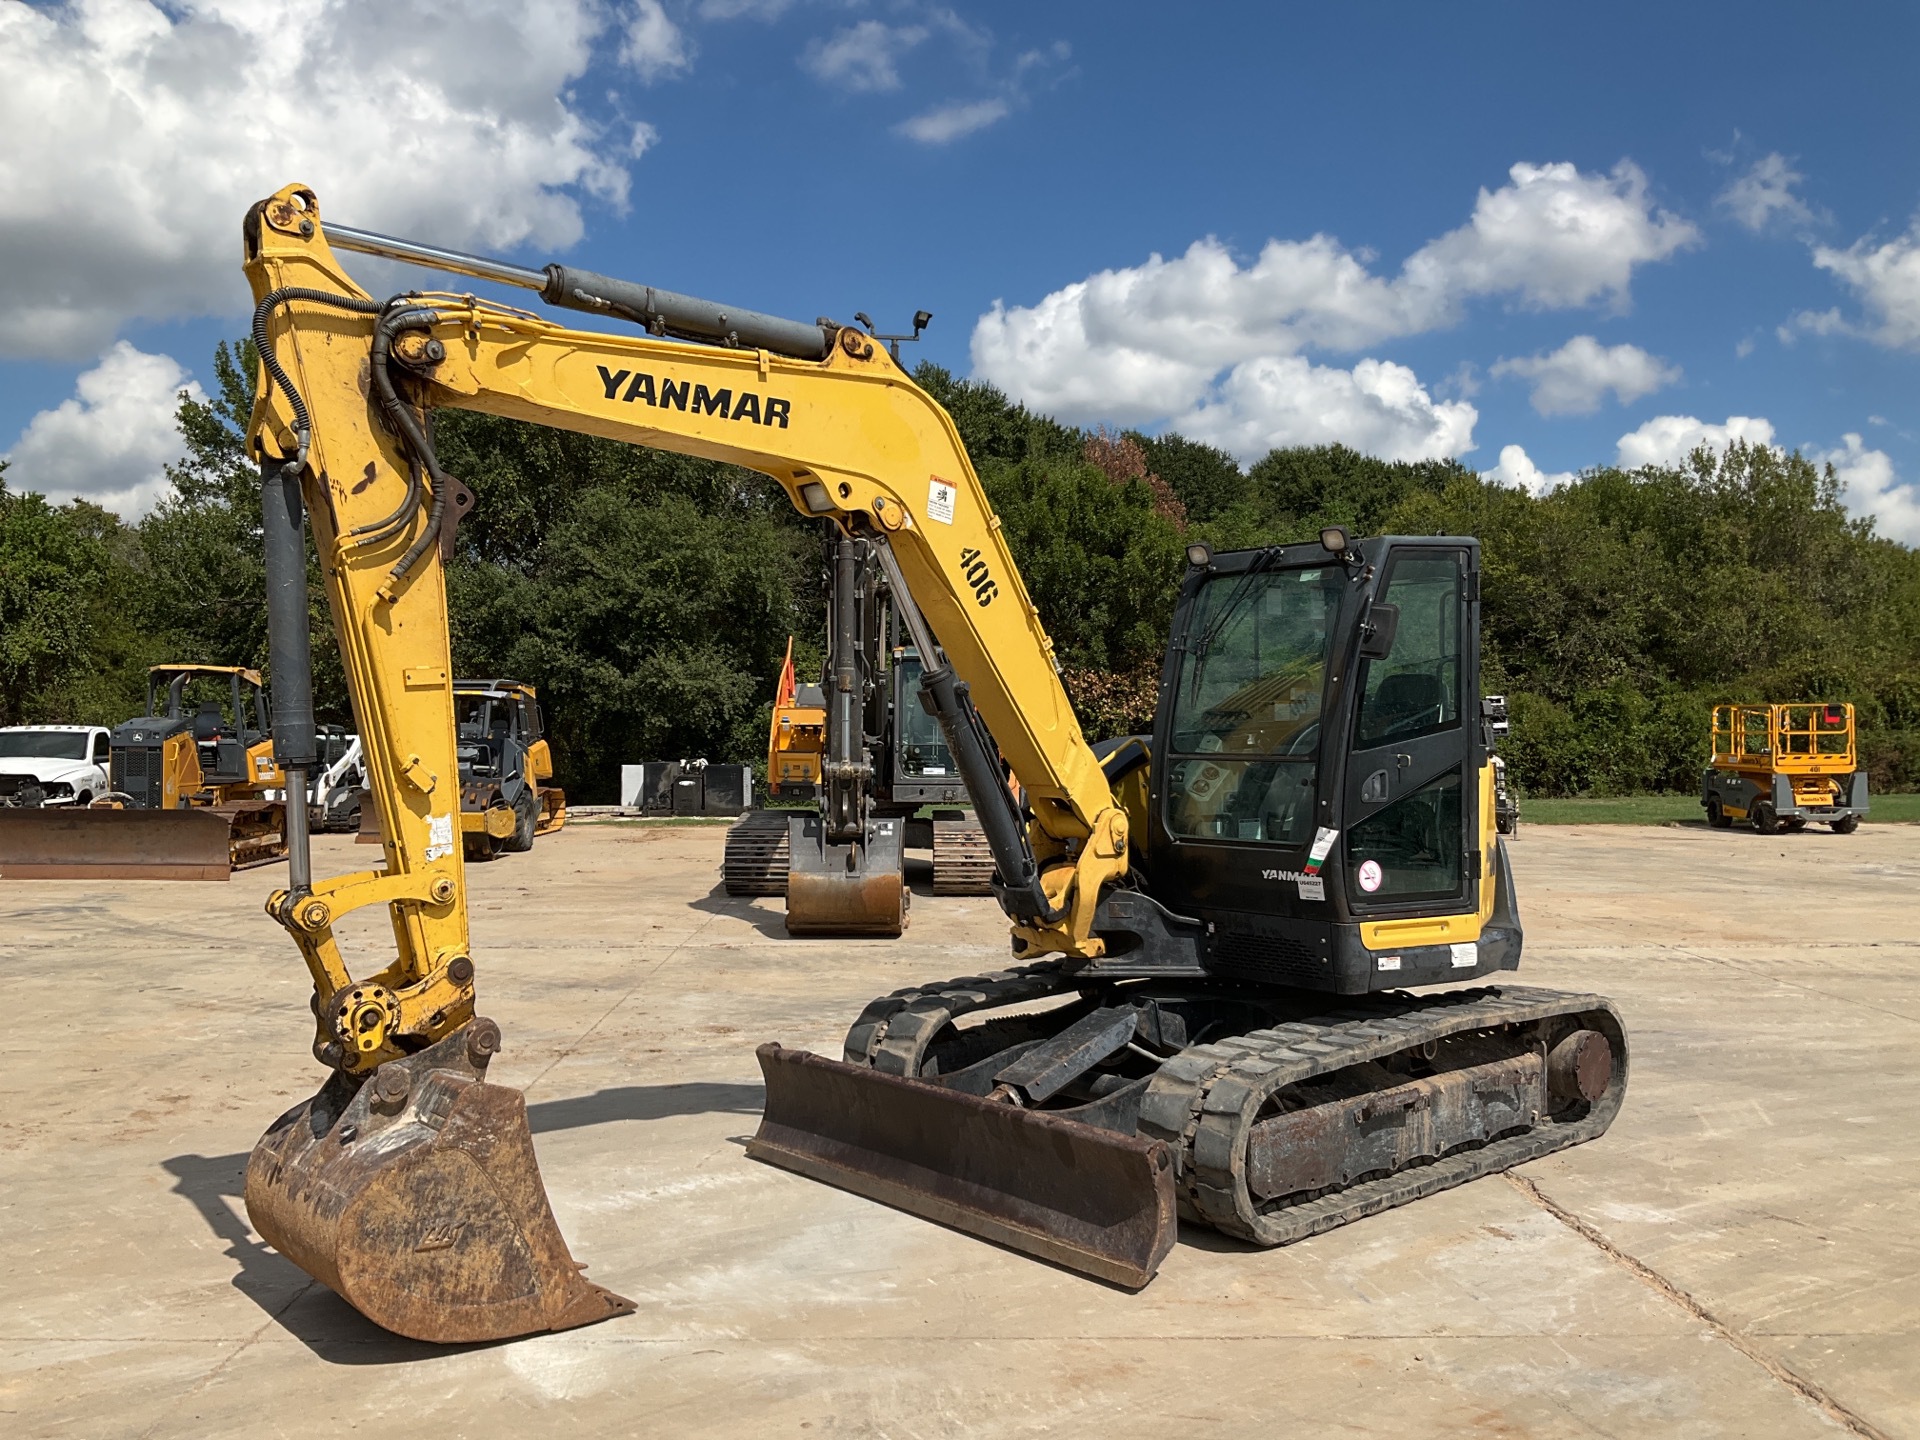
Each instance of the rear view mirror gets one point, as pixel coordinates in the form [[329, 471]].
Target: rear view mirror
[[1377, 631]]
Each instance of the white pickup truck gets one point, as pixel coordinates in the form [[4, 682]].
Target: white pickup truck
[[53, 764]]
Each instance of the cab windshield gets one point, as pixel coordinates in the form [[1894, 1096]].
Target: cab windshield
[[1246, 708], [923, 745], [43, 744]]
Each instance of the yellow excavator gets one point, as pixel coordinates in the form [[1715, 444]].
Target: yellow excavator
[[860, 747], [1223, 927], [188, 798]]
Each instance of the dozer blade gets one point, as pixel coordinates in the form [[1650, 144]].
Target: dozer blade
[[846, 888], [69, 844], [417, 1198], [1089, 1199]]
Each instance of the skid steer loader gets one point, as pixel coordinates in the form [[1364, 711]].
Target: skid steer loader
[[1228, 932], [192, 791]]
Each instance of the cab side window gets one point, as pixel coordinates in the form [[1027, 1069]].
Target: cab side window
[[1416, 690], [101, 749]]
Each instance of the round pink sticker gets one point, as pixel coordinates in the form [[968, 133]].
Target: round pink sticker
[[1370, 876]]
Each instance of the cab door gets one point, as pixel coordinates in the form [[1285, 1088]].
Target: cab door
[[1411, 802]]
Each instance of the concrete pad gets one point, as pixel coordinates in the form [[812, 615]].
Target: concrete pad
[[1740, 1255]]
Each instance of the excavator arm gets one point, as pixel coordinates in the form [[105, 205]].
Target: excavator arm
[[847, 435], [408, 1184]]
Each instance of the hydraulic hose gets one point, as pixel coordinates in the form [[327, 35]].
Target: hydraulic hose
[[400, 415], [273, 300], [395, 316]]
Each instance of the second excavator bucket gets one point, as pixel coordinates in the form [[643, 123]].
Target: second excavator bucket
[[1092, 1200], [415, 1196], [105, 844], [846, 887]]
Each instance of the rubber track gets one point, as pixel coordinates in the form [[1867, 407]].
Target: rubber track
[[1205, 1100], [962, 859], [756, 857]]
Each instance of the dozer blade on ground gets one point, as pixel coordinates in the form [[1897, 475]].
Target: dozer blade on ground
[[69, 844], [846, 888], [416, 1197], [1093, 1200]]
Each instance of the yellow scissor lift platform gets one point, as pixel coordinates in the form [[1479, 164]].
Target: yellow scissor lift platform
[[1775, 767]]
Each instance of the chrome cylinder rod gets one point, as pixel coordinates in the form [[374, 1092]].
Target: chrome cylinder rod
[[432, 256]]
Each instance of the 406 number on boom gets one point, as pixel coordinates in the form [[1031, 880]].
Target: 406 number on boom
[[973, 565]]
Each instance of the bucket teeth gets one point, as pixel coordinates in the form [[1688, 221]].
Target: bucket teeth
[[416, 1196]]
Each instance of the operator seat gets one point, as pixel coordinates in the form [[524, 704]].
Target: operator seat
[[208, 723], [1405, 702]]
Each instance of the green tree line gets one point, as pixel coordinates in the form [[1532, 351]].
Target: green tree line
[[649, 596]]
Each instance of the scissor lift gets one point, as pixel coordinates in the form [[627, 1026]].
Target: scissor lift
[[1775, 767]]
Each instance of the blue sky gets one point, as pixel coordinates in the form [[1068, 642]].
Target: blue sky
[[1728, 190]]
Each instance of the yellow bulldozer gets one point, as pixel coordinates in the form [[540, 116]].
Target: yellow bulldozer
[[188, 791], [1228, 934]]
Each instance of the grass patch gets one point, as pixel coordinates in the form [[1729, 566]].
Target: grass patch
[[1666, 809]]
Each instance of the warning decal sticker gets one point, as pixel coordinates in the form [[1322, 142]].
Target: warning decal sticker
[[1323, 839], [940, 500], [1370, 875]]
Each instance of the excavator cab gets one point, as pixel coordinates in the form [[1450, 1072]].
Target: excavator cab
[[1321, 768]]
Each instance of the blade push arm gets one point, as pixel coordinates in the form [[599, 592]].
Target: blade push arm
[[847, 436]]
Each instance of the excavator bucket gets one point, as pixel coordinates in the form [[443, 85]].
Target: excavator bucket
[[553, 810], [1092, 1200], [416, 1197], [103, 844], [846, 888]]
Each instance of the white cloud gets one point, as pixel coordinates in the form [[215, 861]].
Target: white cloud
[[1868, 486], [1765, 194], [1886, 278], [944, 123], [1517, 471], [111, 441], [154, 127], [653, 45], [1377, 406], [1556, 237], [1149, 342], [1669, 439], [1574, 379], [862, 57]]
